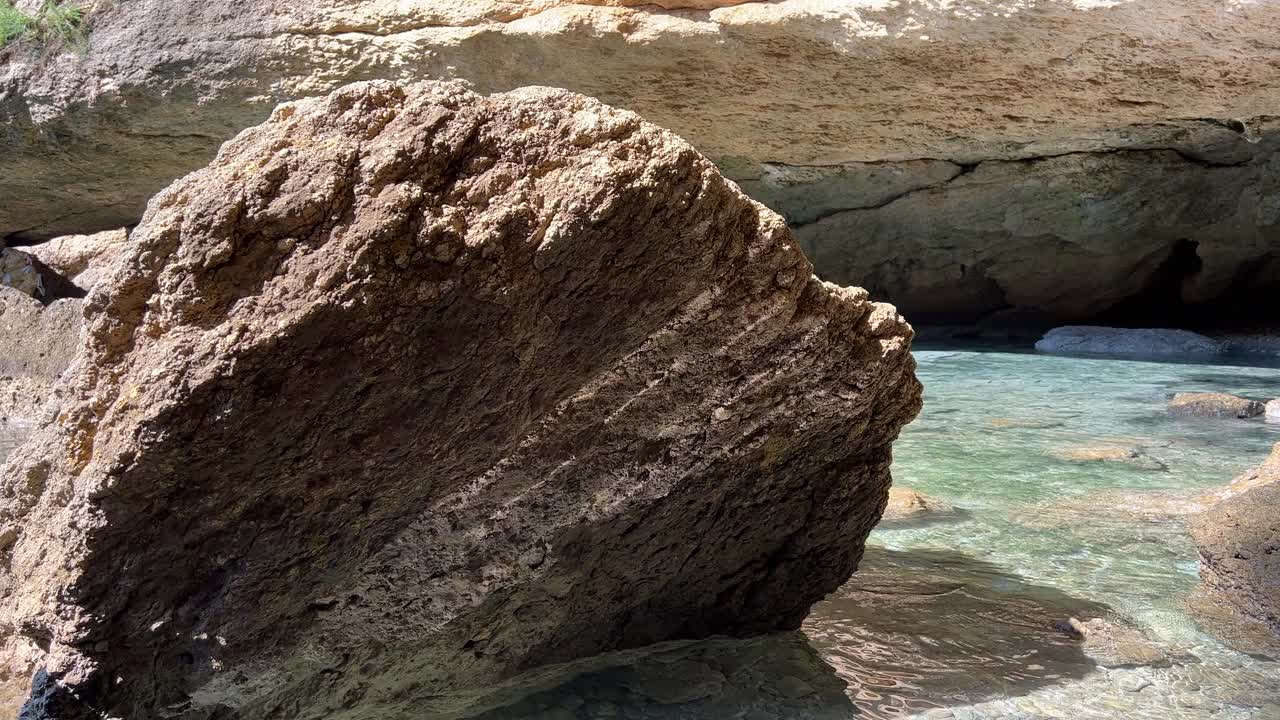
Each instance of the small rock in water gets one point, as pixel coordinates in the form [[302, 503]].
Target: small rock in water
[[1111, 644], [908, 504], [1214, 405]]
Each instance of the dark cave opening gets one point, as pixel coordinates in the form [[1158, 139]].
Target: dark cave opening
[[1161, 299], [1162, 303]]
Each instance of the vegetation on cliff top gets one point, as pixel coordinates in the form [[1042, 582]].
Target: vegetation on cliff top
[[54, 21]]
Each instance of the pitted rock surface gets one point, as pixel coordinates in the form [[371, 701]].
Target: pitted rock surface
[[412, 390]]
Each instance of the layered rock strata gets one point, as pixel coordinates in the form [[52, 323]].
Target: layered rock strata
[[1004, 161], [411, 391]]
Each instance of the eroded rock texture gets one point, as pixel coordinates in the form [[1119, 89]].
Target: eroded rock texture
[[1239, 542], [1000, 160], [37, 343], [411, 390]]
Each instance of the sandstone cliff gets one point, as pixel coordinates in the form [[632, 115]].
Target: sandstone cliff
[[1052, 158], [412, 390]]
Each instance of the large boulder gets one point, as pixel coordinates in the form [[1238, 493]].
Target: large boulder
[[1058, 158], [1239, 542], [412, 390]]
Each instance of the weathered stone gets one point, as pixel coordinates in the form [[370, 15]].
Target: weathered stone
[[1111, 644], [82, 259], [1214, 405], [1056, 160], [411, 391], [1126, 341], [1239, 564], [18, 271], [909, 505], [37, 343], [1136, 457]]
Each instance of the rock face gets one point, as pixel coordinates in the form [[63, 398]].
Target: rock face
[[83, 260], [37, 343], [1126, 341], [1061, 159], [1214, 405], [412, 390], [38, 340], [18, 271], [1238, 540]]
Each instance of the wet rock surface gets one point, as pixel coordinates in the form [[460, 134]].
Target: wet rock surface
[[921, 628], [411, 391], [1214, 405], [908, 506], [1239, 543], [1137, 457], [773, 677]]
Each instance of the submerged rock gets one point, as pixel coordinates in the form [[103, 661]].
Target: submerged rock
[[1114, 645], [1126, 341], [1214, 405], [909, 505], [413, 390], [1136, 457]]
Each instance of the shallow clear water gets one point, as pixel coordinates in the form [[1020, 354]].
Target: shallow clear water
[[1038, 535]]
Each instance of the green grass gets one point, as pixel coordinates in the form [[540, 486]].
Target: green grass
[[13, 23], [55, 22]]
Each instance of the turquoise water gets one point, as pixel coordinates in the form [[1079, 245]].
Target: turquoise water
[[1038, 534]]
